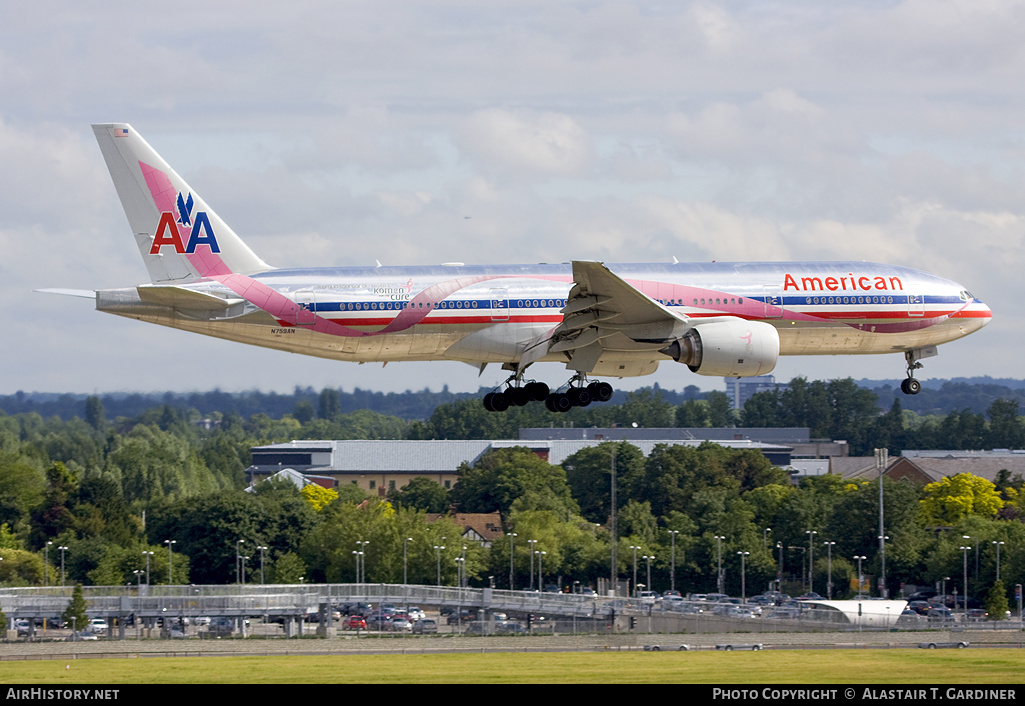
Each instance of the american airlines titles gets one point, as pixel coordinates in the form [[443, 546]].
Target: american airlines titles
[[850, 281]]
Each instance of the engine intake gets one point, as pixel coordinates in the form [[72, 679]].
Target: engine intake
[[729, 348]]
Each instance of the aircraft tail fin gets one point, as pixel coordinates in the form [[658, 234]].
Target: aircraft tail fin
[[180, 238]]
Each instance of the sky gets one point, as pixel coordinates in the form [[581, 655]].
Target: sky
[[417, 132]]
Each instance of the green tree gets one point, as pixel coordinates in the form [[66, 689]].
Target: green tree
[[996, 601], [500, 476], [421, 493], [288, 568], [75, 614], [948, 500], [20, 568], [589, 473], [94, 413], [1005, 427], [720, 414]]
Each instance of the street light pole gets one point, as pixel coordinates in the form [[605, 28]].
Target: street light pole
[[262, 549], [964, 551], [779, 574], [718, 555], [647, 558], [635, 548], [811, 559], [532, 543], [743, 577], [170, 553], [238, 563], [672, 560], [829, 570], [882, 461], [512, 555], [363, 554], [997, 545], [438, 550], [63, 549], [860, 558]]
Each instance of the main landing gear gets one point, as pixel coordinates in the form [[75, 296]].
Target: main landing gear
[[574, 395], [911, 386]]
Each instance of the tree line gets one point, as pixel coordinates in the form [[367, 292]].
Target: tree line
[[161, 490]]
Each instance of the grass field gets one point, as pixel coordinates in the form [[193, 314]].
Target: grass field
[[895, 666]]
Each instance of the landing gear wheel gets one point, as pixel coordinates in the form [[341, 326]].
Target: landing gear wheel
[[579, 396], [559, 403], [538, 391], [496, 402], [600, 391], [519, 396], [910, 386]]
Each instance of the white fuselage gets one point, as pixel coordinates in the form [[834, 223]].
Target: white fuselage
[[489, 314]]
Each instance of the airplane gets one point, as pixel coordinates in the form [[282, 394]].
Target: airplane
[[728, 319]]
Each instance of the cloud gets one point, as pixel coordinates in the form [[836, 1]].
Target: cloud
[[526, 143]]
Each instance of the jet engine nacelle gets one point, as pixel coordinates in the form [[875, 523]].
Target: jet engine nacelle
[[728, 348]]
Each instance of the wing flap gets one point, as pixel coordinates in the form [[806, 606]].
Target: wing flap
[[607, 319]]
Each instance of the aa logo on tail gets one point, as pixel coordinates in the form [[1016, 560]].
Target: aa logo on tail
[[186, 232]]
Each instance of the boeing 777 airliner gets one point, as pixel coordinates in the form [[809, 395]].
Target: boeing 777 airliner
[[723, 319]]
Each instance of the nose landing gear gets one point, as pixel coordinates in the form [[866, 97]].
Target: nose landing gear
[[911, 386]]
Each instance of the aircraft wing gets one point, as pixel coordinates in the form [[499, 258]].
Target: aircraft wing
[[610, 327]]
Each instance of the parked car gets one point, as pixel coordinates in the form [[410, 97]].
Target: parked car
[[510, 627], [398, 624], [941, 614], [648, 597], [354, 622], [98, 626], [425, 626], [477, 627], [81, 635]]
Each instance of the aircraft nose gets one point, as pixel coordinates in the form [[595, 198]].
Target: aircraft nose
[[985, 312], [978, 314]]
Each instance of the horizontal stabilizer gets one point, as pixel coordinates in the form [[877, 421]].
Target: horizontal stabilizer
[[182, 298], [82, 293]]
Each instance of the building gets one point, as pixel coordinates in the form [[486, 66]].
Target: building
[[740, 390], [924, 467], [382, 466], [798, 439]]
